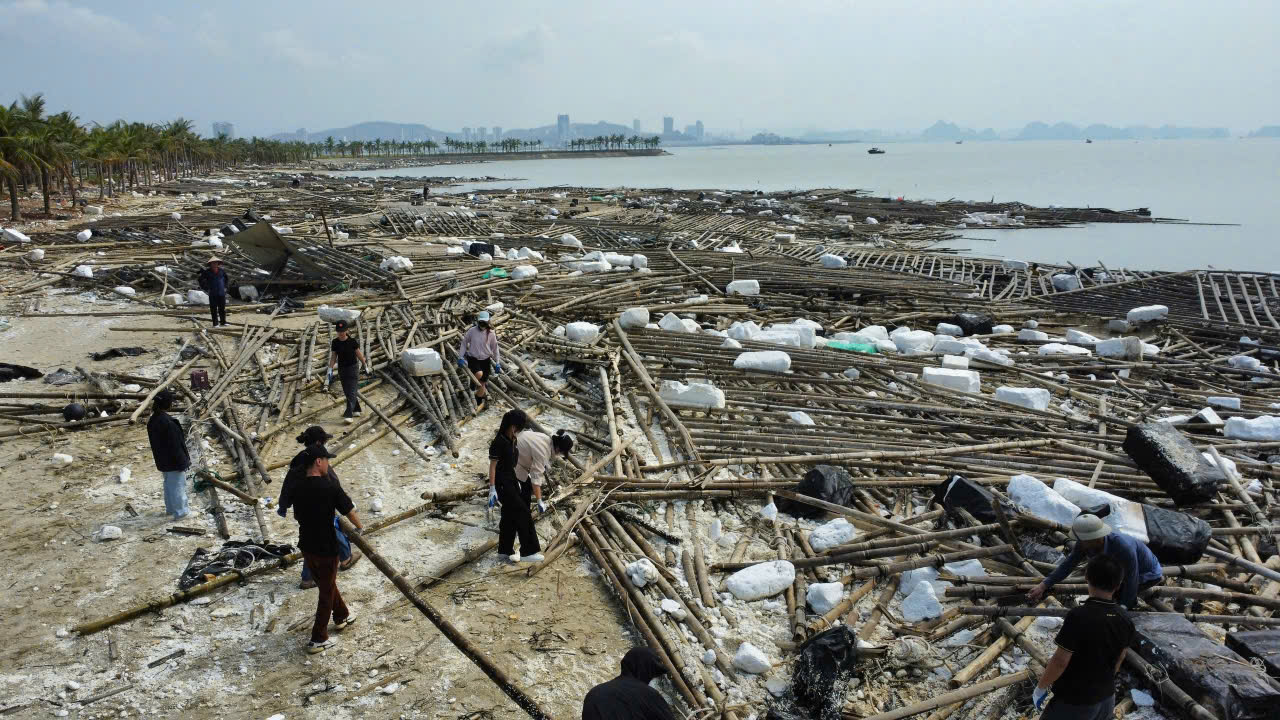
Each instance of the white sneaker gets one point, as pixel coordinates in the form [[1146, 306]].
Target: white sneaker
[[534, 558], [319, 647], [348, 420]]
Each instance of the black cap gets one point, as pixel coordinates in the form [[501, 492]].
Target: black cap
[[340, 325], [314, 435]]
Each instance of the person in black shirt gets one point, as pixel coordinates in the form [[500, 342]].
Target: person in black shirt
[[169, 448], [1091, 646], [347, 357], [507, 490], [314, 435], [213, 281], [629, 696], [315, 499]]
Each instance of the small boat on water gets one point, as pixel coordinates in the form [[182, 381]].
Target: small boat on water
[[959, 142], [875, 151], [1088, 141]]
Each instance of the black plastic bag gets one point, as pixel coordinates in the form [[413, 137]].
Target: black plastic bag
[[824, 667], [234, 555], [1225, 683], [824, 482], [477, 249], [118, 352], [1175, 538], [973, 323], [9, 371], [958, 491], [1261, 644], [1165, 454], [1032, 550]]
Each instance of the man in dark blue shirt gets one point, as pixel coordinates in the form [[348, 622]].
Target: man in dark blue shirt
[[1140, 568], [213, 281]]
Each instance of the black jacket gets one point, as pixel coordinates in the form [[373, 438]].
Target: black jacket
[[292, 477], [206, 276], [168, 443], [628, 696]]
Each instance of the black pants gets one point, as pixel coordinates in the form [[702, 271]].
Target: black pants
[[350, 377], [516, 519], [218, 309]]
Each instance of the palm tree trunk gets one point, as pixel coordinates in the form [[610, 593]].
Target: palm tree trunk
[[44, 189], [14, 213]]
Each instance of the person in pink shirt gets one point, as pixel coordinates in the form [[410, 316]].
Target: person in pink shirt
[[479, 355]]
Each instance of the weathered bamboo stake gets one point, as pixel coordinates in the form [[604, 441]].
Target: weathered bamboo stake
[[843, 558], [950, 698], [700, 568], [219, 515], [395, 429], [460, 641], [868, 628], [146, 401], [1252, 567], [637, 366], [988, 656]]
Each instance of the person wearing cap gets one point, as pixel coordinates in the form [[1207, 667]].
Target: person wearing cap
[[479, 355], [535, 453], [169, 450], [629, 696], [1091, 645], [347, 357], [316, 498], [1093, 537], [311, 437], [213, 281]]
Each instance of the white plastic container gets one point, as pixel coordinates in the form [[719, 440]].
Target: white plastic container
[[421, 361]]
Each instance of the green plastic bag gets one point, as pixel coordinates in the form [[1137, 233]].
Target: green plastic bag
[[495, 273], [852, 347]]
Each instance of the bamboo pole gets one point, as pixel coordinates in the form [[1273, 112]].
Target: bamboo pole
[[949, 698]]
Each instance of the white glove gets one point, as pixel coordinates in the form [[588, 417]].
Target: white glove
[[1038, 697], [542, 506], [493, 496]]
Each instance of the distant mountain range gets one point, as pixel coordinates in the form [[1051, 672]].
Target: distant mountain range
[[416, 131]]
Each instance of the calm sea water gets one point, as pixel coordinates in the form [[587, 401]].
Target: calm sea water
[[1211, 181]]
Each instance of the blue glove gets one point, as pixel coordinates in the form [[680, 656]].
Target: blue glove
[[282, 512], [1038, 696], [542, 506], [497, 367], [462, 362], [493, 497], [328, 380]]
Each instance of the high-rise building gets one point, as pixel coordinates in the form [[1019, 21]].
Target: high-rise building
[[497, 132], [302, 134], [482, 133], [224, 129], [668, 125], [466, 134], [698, 130], [635, 125], [562, 127]]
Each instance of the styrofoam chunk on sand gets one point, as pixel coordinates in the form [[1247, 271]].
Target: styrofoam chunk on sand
[[673, 608], [333, 314], [799, 417], [1079, 336], [743, 287], [1035, 497], [921, 604], [110, 532], [993, 357], [824, 596], [913, 342], [701, 396], [1001, 329], [962, 380], [197, 297], [750, 659], [955, 362], [761, 581], [36, 255], [833, 262], [1125, 516], [1122, 348], [949, 329], [125, 290], [836, 532], [1146, 314], [1226, 403], [743, 330], [172, 299], [61, 459], [84, 235], [569, 239], [1029, 334], [731, 344], [84, 271], [672, 323], [641, 572], [14, 236], [583, 332], [1264, 428], [910, 578], [523, 272], [1031, 398], [764, 361], [421, 361], [1063, 349]]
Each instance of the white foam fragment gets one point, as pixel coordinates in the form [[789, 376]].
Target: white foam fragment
[[831, 534], [921, 604], [109, 532], [762, 580], [673, 323], [1244, 362], [1031, 398], [1001, 329], [955, 362], [84, 235], [1032, 334], [1063, 349], [1079, 336], [1146, 314], [83, 271], [763, 361], [798, 417], [197, 297], [833, 262], [701, 396], [1034, 497], [125, 290], [333, 314], [636, 317], [1125, 516], [949, 329], [524, 272], [672, 608], [993, 357], [641, 572], [967, 568], [1264, 428], [1226, 403], [731, 344], [419, 362], [743, 330], [743, 287], [1063, 282], [14, 236], [582, 332], [824, 596], [910, 578], [750, 659], [1121, 348], [913, 342], [955, 379]]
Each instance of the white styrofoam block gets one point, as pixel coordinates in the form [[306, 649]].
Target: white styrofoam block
[[35, 255], [831, 534], [61, 459], [570, 239], [1079, 336], [914, 342], [125, 290], [1146, 314], [993, 357], [872, 332], [673, 608], [1001, 329], [962, 380], [824, 596], [593, 266], [750, 659], [1226, 403], [697, 395], [956, 362], [743, 330], [1244, 362], [910, 578], [109, 532], [1031, 334], [784, 237], [1063, 349], [792, 335], [582, 332], [524, 272], [617, 260], [743, 287], [761, 580], [949, 329], [798, 417], [833, 262], [1125, 516], [1031, 398], [333, 314], [1263, 428], [921, 604], [1063, 282], [526, 253], [14, 236], [871, 221], [396, 263], [1040, 500], [84, 235], [636, 317], [171, 300], [641, 572], [731, 344], [248, 293], [639, 262], [197, 297], [764, 361], [956, 345], [672, 323], [421, 361], [93, 209], [886, 346], [690, 325], [1121, 348], [84, 271], [968, 568]]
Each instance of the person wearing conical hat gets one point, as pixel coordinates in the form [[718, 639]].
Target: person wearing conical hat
[[213, 281]]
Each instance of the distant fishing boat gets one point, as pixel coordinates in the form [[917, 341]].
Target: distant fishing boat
[[959, 142], [1088, 141], [875, 151]]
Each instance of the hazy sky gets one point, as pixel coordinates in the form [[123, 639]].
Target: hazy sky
[[274, 65]]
